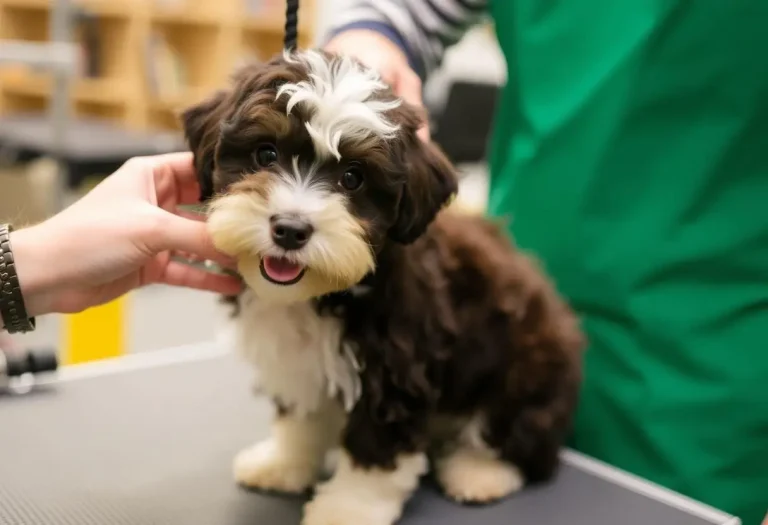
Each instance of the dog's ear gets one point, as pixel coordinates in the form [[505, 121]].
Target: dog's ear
[[201, 124], [430, 183]]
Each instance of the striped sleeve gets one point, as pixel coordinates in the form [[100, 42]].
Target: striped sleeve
[[423, 29]]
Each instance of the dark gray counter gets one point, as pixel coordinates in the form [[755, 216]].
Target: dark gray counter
[[149, 439]]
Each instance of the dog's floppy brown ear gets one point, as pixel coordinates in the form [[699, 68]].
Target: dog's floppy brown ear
[[430, 183], [201, 124]]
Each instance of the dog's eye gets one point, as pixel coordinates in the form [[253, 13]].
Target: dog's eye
[[352, 178], [265, 155]]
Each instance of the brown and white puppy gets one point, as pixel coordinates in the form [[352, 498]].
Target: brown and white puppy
[[377, 322]]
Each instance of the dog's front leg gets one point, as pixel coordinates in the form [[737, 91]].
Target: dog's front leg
[[292, 457], [379, 467]]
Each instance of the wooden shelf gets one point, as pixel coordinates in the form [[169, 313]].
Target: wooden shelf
[[273, 23], [97, 91], [99, 7], [152, 58], [187, 17], [178, 102], [270, 23]]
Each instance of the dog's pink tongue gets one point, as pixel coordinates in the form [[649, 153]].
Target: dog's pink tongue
[[280, 269]]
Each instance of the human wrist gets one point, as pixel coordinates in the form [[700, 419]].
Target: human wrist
[[36, 277]]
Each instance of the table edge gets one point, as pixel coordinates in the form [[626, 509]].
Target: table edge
[[139, 361], [218, 348], [647, 488]]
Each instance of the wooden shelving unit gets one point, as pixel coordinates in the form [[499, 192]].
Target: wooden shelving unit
[[145, 60]]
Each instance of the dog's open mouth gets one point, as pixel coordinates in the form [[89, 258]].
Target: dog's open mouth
[[279, 270]]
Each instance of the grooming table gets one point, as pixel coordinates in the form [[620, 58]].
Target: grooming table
[[149, 439]]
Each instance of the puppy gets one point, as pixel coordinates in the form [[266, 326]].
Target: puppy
[[380, 324]]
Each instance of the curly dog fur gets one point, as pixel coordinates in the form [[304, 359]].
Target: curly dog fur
[[393, 329]]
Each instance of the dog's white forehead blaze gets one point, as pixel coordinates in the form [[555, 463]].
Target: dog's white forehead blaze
[[301, 193], [339, 96]]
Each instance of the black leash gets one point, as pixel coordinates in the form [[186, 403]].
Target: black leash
[[291, 24]]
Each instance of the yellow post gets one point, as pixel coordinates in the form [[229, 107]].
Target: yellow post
[[97, 333]]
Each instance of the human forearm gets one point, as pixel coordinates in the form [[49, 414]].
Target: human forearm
[[423, 29]]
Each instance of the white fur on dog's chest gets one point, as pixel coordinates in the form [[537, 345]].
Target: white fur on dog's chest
[[297, 354]]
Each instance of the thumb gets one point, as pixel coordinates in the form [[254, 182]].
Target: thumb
[[188, 235]]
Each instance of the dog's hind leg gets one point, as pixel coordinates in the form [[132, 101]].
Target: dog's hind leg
[[469, 471]]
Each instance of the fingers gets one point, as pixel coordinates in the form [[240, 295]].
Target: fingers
[[180, 168], [180, 274], [176, 165], [192, 258], [179, 234], [192, 216], [409, 87]]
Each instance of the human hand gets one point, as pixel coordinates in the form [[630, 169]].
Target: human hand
[[119, 236], [378, 52]]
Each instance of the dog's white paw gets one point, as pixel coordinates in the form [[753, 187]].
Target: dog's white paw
[[265, 466], [475, 476], [347, 508]]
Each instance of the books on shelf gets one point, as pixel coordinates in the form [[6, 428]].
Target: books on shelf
[[87, 36], [166, 74], [259, 7]]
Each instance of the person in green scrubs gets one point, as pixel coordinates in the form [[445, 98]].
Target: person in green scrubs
[[631, 148]]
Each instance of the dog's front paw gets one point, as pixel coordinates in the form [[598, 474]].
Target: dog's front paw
[[265, 466], [474, 476], [347, 508]]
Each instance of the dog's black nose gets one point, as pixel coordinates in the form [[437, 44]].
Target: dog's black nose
[[290, 233]]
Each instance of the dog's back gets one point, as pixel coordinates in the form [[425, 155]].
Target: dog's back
[[460, 326]]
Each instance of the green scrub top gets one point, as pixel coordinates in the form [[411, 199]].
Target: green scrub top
[[630, 154]]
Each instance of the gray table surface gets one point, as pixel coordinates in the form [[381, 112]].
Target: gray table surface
[[149, 439]]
